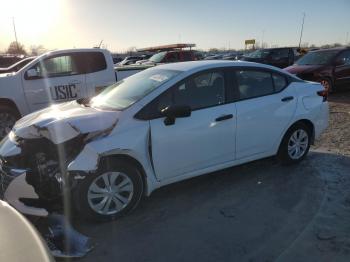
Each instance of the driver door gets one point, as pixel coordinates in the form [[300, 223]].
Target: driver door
[[58, 78], [203, 140]]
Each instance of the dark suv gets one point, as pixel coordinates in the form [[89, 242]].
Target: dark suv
[[330, 67], [279, 57]]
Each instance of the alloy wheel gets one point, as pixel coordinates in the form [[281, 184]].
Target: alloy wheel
[[110, 192], [298, 144]]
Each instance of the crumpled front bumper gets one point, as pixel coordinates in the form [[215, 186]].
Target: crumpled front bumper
[[13, 184]]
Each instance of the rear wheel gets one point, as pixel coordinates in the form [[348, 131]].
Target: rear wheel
[[295, 144], [110, 193], [8, 118]]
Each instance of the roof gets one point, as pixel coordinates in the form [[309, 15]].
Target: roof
[[203, 64]]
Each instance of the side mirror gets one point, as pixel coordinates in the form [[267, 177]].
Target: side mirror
[[32, 73], [175, 111]]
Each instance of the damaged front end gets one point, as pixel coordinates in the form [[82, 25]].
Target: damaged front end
[[41, 165], [33, 167]]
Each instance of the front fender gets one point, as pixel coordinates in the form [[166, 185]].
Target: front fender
[[133, 142]]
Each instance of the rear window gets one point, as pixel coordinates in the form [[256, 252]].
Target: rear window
[[91, 62]]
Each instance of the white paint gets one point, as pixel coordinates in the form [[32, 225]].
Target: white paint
[[19, 188]]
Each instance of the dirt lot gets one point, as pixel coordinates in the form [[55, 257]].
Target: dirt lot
[[256, 212]]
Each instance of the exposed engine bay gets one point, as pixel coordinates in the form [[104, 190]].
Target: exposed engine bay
[[45, 166]]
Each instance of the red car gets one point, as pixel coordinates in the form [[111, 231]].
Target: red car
[[330, 67]]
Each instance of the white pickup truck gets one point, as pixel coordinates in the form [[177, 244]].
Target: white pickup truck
[[55, 77]]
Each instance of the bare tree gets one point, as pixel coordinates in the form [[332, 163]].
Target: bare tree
[[16, 49], [37, 50]]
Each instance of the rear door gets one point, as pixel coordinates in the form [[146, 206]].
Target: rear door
[[60, 79], [206, 138], [99, 72], [342, 69], [265, 108]]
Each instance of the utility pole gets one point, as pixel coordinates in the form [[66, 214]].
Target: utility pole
[[14, 29], [262, 39], [302, 28], [347, 38]]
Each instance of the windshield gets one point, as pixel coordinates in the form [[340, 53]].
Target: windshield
[[317, 58], [128, 91], [258, 54], [157, 58]]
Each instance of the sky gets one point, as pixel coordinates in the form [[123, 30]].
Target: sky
[[122, 24]]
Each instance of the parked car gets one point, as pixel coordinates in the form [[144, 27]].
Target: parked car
[[330, 67], [129, 60], [55, 77], [144, 58], [162, 125], [172, 57], [213, 57], [279, 57], [8, 59], [16, 66]]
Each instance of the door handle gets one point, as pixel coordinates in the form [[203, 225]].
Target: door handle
[[287, 98], [225, 117]]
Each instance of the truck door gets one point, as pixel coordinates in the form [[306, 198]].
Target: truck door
[[55, 79], [99, 71]]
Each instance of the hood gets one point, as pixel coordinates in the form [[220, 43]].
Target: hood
[[60, 123], [303, 69]]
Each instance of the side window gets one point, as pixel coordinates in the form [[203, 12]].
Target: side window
[[344, 58], [187, 56], [253, 83], [94, 62], [280, 54], [201, 91], [279, 81], [172, 57], [63, 65]]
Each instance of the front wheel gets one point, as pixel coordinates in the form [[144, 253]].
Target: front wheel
[[295, 144], [110, 193]]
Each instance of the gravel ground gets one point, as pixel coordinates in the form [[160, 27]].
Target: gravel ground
[[337, 137], [260, 211]]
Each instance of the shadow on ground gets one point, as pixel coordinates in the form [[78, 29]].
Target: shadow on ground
[[255, 212]]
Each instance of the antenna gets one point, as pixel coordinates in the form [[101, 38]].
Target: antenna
[[302, 28], [14, 29], [99, 46]]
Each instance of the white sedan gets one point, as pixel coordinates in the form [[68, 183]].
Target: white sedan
[[160, 126]]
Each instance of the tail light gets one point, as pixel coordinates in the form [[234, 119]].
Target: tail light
[[324, 94]]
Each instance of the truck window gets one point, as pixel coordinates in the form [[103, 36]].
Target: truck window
[[187, 56], [93, 61], [61, 65]]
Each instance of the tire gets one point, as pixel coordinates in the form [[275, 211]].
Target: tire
[[328, 85], [288, 157], [8, 118], [91, 195]]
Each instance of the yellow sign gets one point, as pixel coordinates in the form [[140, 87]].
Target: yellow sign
[[250, 42]]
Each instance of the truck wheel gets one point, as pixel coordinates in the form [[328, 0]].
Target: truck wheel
[[8, 118], [114, 190], [295, 144]]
